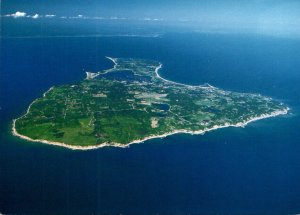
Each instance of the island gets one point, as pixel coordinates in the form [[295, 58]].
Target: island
[[131, 103]]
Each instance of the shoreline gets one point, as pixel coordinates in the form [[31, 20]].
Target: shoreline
[[181, 131], [203, 86], [114, 61]]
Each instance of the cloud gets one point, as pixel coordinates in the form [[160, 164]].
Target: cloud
[[79, 16], [35, 16], [152, 19], [20, 14], [93, 17], [17, 14], [50, 15]]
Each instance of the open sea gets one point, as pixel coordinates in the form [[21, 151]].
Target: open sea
[[255, 169]]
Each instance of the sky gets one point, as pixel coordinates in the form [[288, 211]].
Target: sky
[[259, 16]]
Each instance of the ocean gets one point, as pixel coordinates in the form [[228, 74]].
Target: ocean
[[255, 169]]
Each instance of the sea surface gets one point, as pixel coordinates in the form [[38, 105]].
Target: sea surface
[[255, 169]]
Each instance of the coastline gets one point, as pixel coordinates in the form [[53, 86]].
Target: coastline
[[205, 86], [114, 61], [181, 131]]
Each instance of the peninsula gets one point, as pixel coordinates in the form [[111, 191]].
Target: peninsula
[[131, 103]]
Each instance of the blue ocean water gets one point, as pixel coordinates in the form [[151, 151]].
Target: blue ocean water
[[234, 170]]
